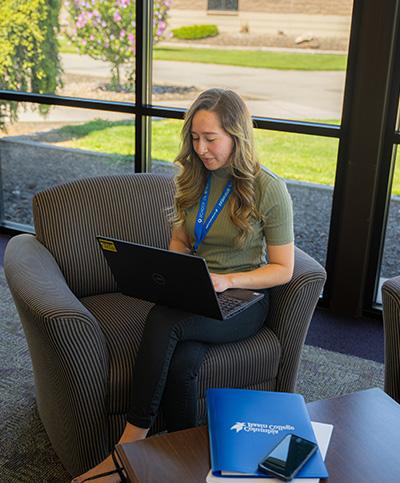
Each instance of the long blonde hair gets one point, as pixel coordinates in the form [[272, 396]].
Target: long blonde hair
[[236, 120]]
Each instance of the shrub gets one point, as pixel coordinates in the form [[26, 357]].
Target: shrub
[[29, 58], [194, 32], [106, 30]]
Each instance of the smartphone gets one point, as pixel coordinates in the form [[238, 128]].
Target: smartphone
[[287, 457]]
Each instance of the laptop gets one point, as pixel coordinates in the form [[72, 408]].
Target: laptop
[[170, 278]]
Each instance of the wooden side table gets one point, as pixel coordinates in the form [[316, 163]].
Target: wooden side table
[[364, 447], [180, 457]]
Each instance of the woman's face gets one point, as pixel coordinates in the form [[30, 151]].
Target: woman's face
[[211, 142]]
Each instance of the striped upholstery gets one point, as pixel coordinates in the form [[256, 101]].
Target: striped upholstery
[[83, 335], [68, 217], [121, 319], [391, 324]]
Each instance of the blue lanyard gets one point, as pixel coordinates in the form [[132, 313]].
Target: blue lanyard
[[202, 226]]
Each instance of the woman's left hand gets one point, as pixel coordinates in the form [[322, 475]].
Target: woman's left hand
[[221, 282]]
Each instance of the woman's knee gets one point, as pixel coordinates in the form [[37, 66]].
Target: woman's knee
[[163, 320]]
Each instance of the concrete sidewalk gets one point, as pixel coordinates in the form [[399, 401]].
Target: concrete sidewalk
[[273, 93]]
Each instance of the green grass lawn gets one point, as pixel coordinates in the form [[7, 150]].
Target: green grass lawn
[[293, 156], [254, 58], [102, 136], [244, 58]]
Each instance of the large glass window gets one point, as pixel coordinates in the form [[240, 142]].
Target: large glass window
[[391, 254], [306, 162], [38, 152], [97, 49], [165, 144], [287, 60], [70, 48]]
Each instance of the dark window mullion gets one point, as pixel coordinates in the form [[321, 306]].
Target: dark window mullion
[[143, 84], [354, 223], [386, 167], [78, 102], [145, 109]]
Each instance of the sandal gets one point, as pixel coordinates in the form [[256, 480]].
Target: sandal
[[118, 469]]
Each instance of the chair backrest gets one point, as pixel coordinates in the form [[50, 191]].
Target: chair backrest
[[68, 217]]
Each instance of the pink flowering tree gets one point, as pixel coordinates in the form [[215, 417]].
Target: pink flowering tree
[[105, 30]]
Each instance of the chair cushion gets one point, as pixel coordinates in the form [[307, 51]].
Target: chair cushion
[[238, 364]]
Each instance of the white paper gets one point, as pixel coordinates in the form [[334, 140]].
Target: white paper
[[323, 433]]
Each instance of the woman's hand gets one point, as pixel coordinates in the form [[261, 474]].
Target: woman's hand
[[221, 282]]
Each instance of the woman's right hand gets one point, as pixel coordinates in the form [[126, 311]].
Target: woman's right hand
[[221, 281]]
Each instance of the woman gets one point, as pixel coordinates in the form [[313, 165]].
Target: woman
[[235, 215]]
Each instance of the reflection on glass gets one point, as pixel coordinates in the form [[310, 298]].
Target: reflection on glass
[[286, 59], [391, 253], [308, 163], [68, 144]]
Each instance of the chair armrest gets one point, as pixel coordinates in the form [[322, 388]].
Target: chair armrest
[[291, 308], [68, 351], [391, 326], [391, 290]]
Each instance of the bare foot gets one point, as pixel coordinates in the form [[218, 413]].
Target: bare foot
[[131, 433], [104, 466]]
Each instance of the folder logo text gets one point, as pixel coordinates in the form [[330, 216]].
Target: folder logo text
[[261, 428]]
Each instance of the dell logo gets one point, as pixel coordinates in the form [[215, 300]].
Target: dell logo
[[158, 278]]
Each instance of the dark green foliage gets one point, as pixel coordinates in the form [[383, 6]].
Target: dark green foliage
[[29, 58]]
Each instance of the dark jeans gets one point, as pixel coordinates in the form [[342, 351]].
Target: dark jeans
[[173, 346]]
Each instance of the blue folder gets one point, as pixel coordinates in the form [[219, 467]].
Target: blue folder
[[244, 426]]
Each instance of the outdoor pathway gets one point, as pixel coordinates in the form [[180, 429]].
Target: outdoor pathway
[[272, 93]]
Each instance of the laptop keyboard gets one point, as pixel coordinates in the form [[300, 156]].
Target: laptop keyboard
[[229, 304]]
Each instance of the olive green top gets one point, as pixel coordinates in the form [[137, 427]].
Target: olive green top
[[275, 228]]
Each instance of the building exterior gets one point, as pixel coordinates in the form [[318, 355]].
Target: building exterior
[[311, 7]]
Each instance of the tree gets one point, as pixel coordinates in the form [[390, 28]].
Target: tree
[[105, 30], [29, 58]]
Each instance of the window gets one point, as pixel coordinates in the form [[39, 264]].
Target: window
[[287, 60], [39, 152], [391, 253], [222, 5]]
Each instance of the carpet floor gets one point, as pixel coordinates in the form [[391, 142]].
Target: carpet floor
[[26, 454]]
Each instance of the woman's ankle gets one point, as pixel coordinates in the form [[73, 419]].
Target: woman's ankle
[[132, 433]]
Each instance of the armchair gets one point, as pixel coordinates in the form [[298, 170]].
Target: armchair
[[83, 334], [391, 325]]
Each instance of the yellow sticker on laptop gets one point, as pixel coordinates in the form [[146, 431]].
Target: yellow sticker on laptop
[[108, 245]]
